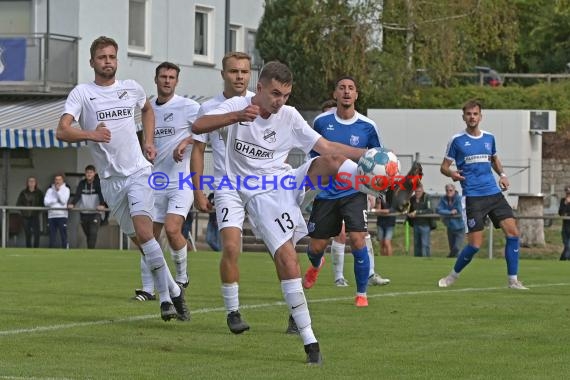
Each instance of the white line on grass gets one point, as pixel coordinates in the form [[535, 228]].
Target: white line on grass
[[33, 378], [257, 306]]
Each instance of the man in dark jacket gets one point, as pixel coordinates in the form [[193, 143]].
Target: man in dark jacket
[[31, 196], [420, 204], [89, 196], [564, 210]]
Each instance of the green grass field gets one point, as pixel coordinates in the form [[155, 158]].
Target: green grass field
[[67, 315]]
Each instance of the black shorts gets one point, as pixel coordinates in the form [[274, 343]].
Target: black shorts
[[327, 216], [477, 208]]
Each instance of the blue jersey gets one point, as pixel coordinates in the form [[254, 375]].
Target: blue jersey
[[472, 155], [359, 132]]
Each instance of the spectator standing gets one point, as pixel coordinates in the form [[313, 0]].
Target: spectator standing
[[385, 225], [421, 205], [450, 208], [56, 199], [212, 232], [31, 196], [89, 196], [564, 210]]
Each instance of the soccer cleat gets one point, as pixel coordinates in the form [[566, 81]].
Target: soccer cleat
[[292, 326], [361, 301], [313, 352], [167, 311], [341, 282], [236, 324], [516, 284], [141, 295], [183, 314], [183, 284], [446, 281], [376, 279], [311, 275]]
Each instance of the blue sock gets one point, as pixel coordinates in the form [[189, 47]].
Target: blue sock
[[512, 255], [361, 268], [315, 258], [465, 257]]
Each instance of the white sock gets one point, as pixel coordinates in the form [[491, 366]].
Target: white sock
[[368, 241], [230, 293], [337, 253], [163, 281], [180, 263], [295, 299], [146, 277]]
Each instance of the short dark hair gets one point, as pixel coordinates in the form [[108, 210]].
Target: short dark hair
[[236, 55], [90, 167], [167, 65], [331, 103], [276, 70], [473, 103], [343, 78], [101, 42]]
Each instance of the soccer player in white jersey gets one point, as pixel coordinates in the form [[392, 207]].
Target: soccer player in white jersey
[[173, 116], [105, 110], [475, 156], [259, 132], [230, 210]]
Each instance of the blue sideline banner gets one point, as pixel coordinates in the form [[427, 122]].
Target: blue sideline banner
[[12, 59]]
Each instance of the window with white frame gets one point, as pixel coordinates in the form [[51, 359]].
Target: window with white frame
[[236, 38], [256, 60], [204, 35], [139, 26]]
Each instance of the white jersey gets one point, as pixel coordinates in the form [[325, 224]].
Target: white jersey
[[114, 105], [173, 123], [214, 137], [260, 148]]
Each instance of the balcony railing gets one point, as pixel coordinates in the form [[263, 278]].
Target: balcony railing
[[38, 63]]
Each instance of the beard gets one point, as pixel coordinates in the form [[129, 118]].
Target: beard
[[107, 74]]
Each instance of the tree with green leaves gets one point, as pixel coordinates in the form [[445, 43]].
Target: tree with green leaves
[[319, 40]]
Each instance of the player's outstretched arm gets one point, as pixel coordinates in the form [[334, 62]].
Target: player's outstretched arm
[[65, 132], [209, 123], [324, 146]]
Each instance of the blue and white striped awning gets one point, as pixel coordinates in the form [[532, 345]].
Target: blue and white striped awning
[[31, 123]]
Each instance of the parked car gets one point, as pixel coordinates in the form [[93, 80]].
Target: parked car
[[490, 76]]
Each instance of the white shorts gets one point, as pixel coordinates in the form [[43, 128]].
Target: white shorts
[[128, 197], [171, 201], [276, 216], [230, 209]]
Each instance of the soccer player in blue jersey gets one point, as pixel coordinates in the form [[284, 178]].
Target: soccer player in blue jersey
[[345, 125], [475, 157]]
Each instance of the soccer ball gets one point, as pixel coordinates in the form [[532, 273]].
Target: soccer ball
[[377, 168]]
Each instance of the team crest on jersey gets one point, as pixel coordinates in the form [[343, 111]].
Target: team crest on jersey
[[269, 135], [252, 151], [164, 132], [471, 223], [488, 146], [123, 94], [168, 117], [330, 127], [354, 140]]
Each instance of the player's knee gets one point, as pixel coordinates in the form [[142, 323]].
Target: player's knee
[[172, 231]]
